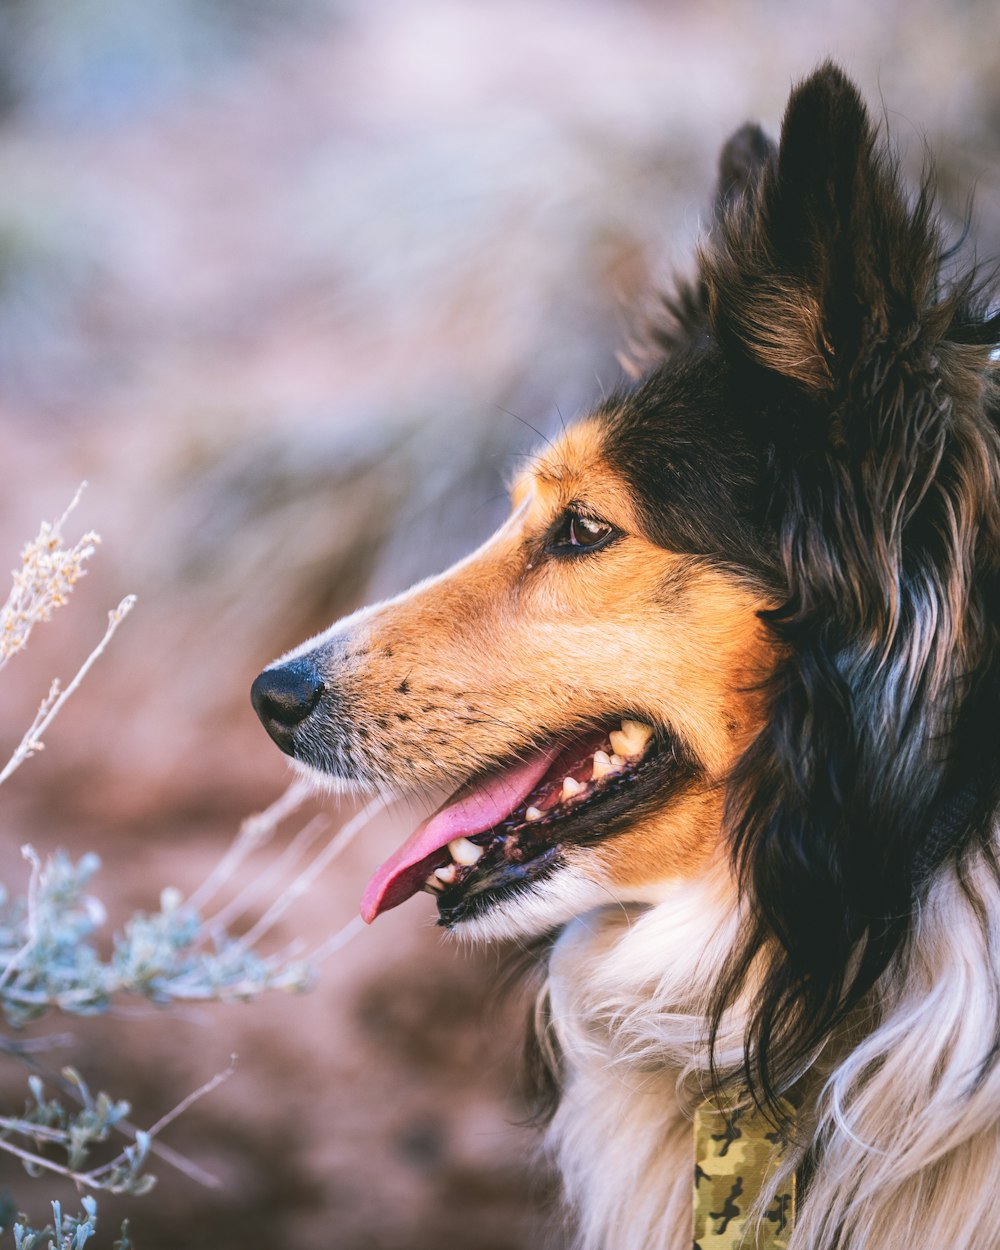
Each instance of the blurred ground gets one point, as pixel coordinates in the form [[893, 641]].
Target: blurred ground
[[292, 285]]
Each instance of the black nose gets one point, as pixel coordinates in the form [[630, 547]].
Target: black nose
[[283, 697]]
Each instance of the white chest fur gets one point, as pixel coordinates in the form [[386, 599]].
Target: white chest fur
[[627, 995]]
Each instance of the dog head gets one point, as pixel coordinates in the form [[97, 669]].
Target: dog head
[[743, 612], [587, 685]]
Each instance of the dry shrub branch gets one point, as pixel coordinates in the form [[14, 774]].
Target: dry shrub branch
[[177, 953]]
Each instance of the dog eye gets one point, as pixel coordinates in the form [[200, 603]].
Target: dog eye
[[574, 532]]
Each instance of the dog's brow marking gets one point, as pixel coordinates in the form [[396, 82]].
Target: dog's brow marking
[[550, 475]]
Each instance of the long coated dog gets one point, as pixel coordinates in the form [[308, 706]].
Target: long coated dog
[[721, 701]]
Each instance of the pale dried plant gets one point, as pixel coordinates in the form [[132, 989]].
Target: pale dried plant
[[182, 952], [49, 571], [44, 582]]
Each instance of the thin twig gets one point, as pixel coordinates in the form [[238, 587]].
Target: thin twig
[[261, 884], [71, 1090], [337, 940], [27, 1129], [94, 1174], [53, 702], [57, 527], [193, 1171], [195, 1096], [254, 832], [81, 1178], [93, 1178], [304, 880]]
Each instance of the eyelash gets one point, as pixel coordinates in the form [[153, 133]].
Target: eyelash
[[569, 535]]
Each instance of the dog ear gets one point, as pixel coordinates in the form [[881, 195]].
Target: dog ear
[[684, 319], [829, 255], [870, 385], [743, 159]]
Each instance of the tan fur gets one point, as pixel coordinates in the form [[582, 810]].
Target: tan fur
[[680, 842], [782, 326], [511, 648]]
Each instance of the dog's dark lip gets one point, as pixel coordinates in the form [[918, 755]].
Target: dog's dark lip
[[518, 855]]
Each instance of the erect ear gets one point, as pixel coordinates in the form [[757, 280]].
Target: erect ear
[[869, 386], [829, 257], [743, 158]]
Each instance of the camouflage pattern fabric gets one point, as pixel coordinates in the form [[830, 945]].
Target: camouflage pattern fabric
[[734, 1152]]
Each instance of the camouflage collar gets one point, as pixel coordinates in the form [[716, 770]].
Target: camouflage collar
[[735, 1151]]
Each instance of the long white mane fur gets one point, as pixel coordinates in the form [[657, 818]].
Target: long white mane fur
[[904, 1131]]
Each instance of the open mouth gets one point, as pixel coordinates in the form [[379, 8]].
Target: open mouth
[[506, 829]]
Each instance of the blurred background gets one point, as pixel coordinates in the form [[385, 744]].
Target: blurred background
[[293, 284]]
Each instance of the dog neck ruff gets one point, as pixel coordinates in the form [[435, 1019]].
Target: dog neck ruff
[[735, 1153]]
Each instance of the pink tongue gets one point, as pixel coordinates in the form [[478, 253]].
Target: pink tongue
[[473, 810]]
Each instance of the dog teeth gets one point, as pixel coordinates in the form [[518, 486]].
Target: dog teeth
[[446, 874], [639, 730], [619, 742], [433, 884], [603, 767], [533, 813], [632, 739], [465, 852], [571, 787]]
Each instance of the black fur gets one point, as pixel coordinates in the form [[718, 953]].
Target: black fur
[[684, 318], [826, 421]]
